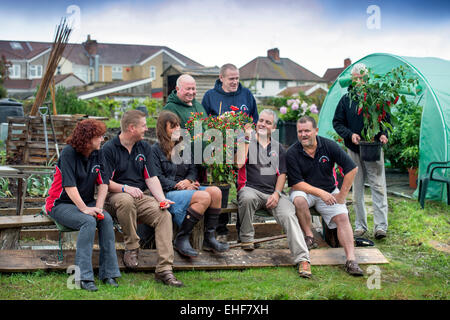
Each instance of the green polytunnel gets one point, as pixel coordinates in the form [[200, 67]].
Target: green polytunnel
[[434, 80]]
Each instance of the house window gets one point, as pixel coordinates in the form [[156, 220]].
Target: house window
[[35, 71], [152, 73], [14, 71], [117, 72], [16, 45], [262, 84], [282, 84]]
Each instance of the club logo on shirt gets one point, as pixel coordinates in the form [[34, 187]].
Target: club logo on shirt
[[324, 159], [244, 108], [95, 169], [140, 157]]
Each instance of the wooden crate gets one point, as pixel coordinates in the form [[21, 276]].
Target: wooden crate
[[26, 138]]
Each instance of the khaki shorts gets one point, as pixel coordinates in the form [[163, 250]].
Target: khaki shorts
[[327, 212]]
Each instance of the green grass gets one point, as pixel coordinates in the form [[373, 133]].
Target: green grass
[[416, 271]]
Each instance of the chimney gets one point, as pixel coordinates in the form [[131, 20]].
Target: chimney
[[274, 54], [347, 62], [90, 46]]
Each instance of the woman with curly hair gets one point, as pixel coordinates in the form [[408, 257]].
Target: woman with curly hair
[[179, 182], [71, 201]]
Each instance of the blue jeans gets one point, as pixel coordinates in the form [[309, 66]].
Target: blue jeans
[[68, 215], [182, 199]]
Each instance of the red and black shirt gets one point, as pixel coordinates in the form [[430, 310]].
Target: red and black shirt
[[128, 168], [261, 171], [75, 170]]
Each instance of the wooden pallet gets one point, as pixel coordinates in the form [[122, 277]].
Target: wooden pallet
[[33, 260]]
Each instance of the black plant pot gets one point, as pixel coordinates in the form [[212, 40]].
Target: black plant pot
[[288, 132], [370, 151]]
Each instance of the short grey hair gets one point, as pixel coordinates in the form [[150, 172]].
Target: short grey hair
[[183, 77], [357, 68], [227, 66], [273, 114]]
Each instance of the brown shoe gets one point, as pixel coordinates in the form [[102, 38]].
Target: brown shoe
[[304, 269], [130, 258], [352, 267], [248, 246], [311, 243], [168, 278]]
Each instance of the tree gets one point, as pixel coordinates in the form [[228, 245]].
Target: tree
[[4, 73]]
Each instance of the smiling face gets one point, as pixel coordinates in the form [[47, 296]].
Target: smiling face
[[307, 134], [265, 125], [186, 90], [230, 80], [96, 142], [139, 129]]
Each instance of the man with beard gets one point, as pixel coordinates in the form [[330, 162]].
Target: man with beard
[[310, 164]]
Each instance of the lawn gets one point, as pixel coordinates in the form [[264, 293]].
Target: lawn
[[416, 271]]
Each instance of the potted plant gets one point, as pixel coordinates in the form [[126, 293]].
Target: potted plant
[[293, 110], [410, 157], [376, 95], [221, 171]]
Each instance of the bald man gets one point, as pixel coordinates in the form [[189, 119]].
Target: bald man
[[182, 100]]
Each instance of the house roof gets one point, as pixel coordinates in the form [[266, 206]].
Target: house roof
[[195, 70], [109, 53], [332, 73], [308, 89], [264, 68], [25, 50]]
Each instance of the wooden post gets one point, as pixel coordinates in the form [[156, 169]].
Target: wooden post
[[9, 238], [52, 90]]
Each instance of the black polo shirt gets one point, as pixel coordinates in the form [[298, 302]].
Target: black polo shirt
[[263, 175], [317, 171], [128, 168], [75, 170]]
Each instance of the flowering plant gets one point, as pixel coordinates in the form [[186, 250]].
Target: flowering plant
[[295, 109], [216, 141], [376, 95]]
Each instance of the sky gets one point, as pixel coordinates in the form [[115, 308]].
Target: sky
[[316, 34]]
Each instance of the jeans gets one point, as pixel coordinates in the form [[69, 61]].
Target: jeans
[[68, 215]]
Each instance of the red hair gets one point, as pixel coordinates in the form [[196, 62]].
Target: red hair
[[81, 137]]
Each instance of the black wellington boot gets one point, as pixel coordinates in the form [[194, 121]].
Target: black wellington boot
[[209, 242], [181, 242]]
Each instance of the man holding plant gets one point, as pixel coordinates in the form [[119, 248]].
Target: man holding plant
[[348, 122]]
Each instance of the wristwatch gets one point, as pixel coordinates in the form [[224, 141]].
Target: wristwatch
[[279, 193]]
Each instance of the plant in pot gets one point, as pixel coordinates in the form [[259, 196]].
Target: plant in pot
[[375, 96], [218, 156], [293, 110], [410, 157]]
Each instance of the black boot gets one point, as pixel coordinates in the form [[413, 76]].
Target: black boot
[[181, 242], [209, 242]]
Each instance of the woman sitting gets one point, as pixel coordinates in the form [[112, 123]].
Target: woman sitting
[[179, 182], [71, 201]]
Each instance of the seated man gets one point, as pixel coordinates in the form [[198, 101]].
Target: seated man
[[261, 179], [310, 165], [127, 158]]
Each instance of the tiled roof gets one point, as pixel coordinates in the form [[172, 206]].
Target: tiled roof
[[286, 69], [332, 73]]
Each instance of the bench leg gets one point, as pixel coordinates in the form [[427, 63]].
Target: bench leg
[[9, 239]]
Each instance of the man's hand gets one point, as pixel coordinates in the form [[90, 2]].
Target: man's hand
[[328, 198], [272, 201], [134, 192], [165, 204], [383, 139], [356, 138], [248, 129], [340, 197]]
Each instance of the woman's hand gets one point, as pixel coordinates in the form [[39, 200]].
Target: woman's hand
[[92, 211], [183, 184]]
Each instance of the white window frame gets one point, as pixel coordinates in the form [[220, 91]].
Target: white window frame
[[116, 71], [14, 71], [35, 71], [152, 73]]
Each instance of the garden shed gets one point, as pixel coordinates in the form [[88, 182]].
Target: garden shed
[[434, 80]]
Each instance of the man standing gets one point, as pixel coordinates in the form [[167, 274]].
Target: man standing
[[182, 100], [310, 164], [127, 158], [348, 124], [229, 92], [261, 178]]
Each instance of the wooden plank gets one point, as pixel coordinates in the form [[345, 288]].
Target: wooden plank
[[28, 221], [32, 260], [13, 211]]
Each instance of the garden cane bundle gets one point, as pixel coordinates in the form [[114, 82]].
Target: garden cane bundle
[[59, 44]]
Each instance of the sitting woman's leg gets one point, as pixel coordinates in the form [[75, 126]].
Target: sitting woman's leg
[[212, 215], [200, 201], [108, 265]]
